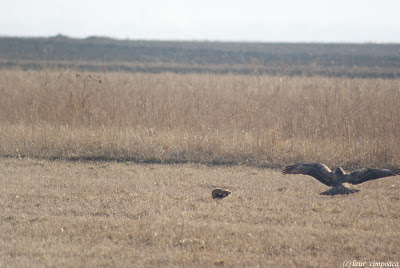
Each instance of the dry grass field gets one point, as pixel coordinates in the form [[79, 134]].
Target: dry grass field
[[96, 214], [117, 169], [266, 121]]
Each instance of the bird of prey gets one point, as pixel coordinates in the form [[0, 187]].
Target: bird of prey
[[339, 180]]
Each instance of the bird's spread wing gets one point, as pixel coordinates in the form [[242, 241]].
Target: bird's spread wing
[[368, 174], [318, 171]]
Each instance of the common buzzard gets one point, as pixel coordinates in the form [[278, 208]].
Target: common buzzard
[[339, 180]]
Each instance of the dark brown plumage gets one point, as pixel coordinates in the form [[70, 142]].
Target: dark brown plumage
[[339, 180]]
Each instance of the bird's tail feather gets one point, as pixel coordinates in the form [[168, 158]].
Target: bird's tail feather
[[341, 189]]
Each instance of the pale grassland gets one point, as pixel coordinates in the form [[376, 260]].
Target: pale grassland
[[125, 214], [98, 214], [258, 120]]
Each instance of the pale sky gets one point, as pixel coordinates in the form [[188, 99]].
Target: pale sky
[[213, 20]]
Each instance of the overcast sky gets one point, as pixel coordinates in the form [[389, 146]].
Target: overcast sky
[[214, 20]]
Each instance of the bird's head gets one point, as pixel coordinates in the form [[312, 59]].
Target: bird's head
[[339, 171]]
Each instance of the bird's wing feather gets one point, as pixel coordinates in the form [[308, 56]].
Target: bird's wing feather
[[368, 174], [319, 171]]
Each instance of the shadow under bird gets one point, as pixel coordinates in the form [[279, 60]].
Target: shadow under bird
[[339, 180]]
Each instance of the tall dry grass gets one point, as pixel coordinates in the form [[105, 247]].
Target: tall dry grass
[[206, 118]]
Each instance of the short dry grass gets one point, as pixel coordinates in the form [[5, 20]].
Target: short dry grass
[[110, 213], [202, 118], [80, 214]]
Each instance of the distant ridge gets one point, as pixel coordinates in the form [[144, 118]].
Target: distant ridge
[[94, 52]]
